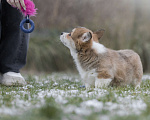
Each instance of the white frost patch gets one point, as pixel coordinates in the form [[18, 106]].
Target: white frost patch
[[8, 111], [126, 106], [82, 111], [99, 48], [93, 103], [61, 100], [55, 84], [77, 110]]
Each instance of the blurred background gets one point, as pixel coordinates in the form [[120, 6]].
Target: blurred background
[[126, 24]]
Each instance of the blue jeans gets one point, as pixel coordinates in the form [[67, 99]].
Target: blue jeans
[[13, 42]]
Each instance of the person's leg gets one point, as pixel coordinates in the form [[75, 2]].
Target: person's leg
[[0, 20], [14, 43], [0, 33]]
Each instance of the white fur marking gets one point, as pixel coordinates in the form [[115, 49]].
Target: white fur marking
[[99, 48], [75, 57], [99, 83]]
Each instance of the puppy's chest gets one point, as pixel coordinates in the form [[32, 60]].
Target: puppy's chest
[[84, 66], [85, 74], [88, 62]]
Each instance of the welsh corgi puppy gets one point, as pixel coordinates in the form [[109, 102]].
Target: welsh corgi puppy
[[99, 66]]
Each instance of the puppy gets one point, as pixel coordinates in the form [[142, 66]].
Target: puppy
[[100, 66]]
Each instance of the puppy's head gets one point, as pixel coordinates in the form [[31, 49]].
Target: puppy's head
[[80, 38]]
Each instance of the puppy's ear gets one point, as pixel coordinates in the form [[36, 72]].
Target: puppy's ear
[[86, 36], [99, 33]]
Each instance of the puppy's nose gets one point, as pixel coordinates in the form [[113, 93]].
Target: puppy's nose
[[62, 33]]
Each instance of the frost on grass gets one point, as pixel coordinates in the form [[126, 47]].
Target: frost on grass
[[72, 99]]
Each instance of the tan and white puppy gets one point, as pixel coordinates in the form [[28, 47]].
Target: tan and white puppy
[[98, 65]]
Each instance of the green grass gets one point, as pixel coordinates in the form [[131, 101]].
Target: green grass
[[59, 96]]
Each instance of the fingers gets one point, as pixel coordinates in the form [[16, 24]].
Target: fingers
[[11, 2], [17, 4], [23, 4]]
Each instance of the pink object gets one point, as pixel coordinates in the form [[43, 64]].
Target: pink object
[[30, 8]]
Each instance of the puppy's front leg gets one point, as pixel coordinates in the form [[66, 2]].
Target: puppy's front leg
[[101, 82], [89, 81], [88, 86]]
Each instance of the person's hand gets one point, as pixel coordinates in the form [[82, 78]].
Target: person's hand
[[17, 3]]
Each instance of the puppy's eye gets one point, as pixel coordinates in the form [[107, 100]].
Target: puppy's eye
[[69, 34]]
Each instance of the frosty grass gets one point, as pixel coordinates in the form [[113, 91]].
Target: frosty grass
[[59, 96]]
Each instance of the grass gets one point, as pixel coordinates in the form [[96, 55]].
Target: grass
[[59, 96]]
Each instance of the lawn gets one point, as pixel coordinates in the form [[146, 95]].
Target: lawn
[[59, 97]]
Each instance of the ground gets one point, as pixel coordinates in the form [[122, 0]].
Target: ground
[[59, 97]]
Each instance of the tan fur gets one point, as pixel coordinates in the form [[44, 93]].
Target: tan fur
[[124, 67]]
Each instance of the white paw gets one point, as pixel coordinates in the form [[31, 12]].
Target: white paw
[[99, 83], [88, 86]]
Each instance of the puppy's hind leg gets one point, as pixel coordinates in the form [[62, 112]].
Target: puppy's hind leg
[[137, 84], [99, 83]]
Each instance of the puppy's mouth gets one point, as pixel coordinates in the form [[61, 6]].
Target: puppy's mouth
[[62, 40]]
